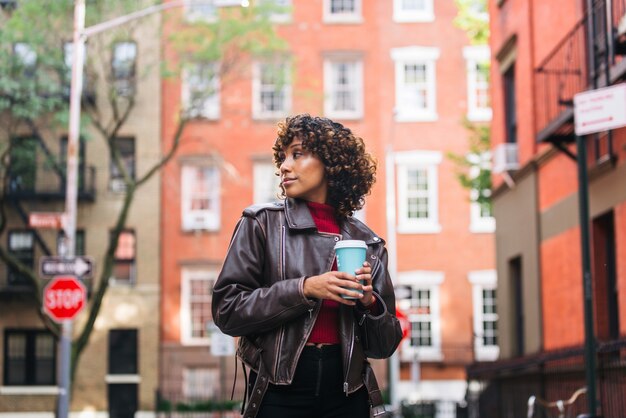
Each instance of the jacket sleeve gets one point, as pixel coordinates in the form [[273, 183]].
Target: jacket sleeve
[[380, 333], [243, 301]]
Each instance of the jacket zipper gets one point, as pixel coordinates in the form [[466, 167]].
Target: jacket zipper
[[281, 333], [345, 383]]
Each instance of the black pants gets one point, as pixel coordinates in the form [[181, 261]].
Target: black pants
[[316, 390]]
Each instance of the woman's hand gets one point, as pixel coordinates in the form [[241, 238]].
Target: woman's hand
[[364, 275], [332, 284]]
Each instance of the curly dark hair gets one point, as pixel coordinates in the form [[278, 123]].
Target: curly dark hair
[[350, 170]]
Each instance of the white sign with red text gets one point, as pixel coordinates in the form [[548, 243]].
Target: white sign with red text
[[600, 110]]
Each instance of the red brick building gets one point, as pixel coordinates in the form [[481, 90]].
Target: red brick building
[[539, 63], [401, 76]]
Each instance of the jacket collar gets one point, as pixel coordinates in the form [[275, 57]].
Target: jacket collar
[[299, 217]]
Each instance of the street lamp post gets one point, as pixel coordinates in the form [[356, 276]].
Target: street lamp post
[[80, 35]]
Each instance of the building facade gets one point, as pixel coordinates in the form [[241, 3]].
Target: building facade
[[401, 76], [538, 66], [117, 372]]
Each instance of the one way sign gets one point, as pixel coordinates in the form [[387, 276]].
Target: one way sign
[[78, 266]]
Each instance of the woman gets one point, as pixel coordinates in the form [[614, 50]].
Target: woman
[[280, 291]]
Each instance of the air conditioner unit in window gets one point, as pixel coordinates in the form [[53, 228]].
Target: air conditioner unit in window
[[505, 158], [199, 221], [117, 185]]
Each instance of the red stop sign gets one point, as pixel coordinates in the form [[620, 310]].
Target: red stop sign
[[64, 298]]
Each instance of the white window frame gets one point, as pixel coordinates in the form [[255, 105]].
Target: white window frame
[[200, 219], [416, 55], [210, 108], [257, 109], [482, 280], [475, 55], [330, 88], [265, 182], [356, 17], [479, 224], [425, 160], [189, 274], [423, 280], [401, 15]]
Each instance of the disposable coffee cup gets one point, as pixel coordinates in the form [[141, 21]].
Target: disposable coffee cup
[[350, 257]]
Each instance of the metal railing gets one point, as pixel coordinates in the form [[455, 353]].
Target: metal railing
[[506, 385]]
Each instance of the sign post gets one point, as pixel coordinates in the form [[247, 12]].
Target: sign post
[[222, 345]]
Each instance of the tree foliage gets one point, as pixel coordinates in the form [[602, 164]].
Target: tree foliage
[[34, 88]]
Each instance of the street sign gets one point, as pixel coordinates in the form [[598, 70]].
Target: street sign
[[76, 266], [600, 109], [47, 220], [64, 298], [221, 344]]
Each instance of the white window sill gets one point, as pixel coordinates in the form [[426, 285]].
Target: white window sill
[[199, 342], [269, 116], [344, 116], [419, 229], [486, 353], [414, 18], [484, 226], [429, 354], [29, 390], [343, 20], [480, 115], [408, 116], [122, 378]]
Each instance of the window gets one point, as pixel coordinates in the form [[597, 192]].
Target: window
[[478, 99], [280, 10], [266, 182], [418, 191], [481, 214], [200, 383], [415, 83], [510, 108], [516, 303], [421, 305], [484, 285], [124, 259], [208, 11], [26, 58], [123, 373], [342, 11], [23, 164], [29, 358], [126, 149], [271, 90], [413, 11], [200, 197], [343, 88], [21, 246], [123, 63], [197, 290], [201, 91]]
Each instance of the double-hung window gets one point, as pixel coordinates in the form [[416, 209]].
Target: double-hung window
[[418, 191], [124, 261], [413, 11], [125, 147], [196, 295], [266, 182], [271, 90], [26, 58], [343, 87], [29, 358], [420, 302], [123, 65], [481, 214], [21, 246], [280, 10], [200, 187], [484, 284], [342, 11], [478, 100], [201, 91], [416, 88]]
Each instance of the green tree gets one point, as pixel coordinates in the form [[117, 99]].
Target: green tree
[[34, 87], [474, 168]]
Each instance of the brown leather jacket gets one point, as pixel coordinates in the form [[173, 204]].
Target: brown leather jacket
[[259, 295]]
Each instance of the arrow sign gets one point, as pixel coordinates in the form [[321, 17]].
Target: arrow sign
[[77, 266]]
